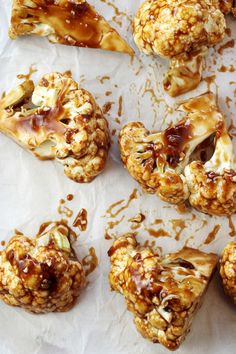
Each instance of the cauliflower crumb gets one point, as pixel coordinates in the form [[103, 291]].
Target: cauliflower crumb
[[163, 293], [228, 270], [41, 274]]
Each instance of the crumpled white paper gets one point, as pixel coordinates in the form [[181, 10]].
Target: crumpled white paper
[[31, 190]]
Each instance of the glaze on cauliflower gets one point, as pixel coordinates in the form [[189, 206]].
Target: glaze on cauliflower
[[58, 120], [163, 293], [212, 185], [41, 274], [69, 22], [177, 30], [228, 270], [157, 160]]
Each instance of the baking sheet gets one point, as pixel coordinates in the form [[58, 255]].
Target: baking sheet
[[31, 191]]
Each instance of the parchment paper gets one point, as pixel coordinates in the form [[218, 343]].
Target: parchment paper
[[31, 190]]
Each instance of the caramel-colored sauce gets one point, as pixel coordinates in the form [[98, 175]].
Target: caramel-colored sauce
[[120, 106], [118, 13], [64, 210], [178, 226], [227, 101], [174, 139], [181, 208], [229, 44], [108, 237], [137, 221], [212, 235], [232, 129], [107, 107], [228, 31], [110, 226], [104, 78], [222, 69], [113, 132], [232, 232], [70, 197], [112, 214], [17, 232], [158, 233], [32, 70], [117, 120], [81, 220], [3, 243], [108, 93], [90, 262]]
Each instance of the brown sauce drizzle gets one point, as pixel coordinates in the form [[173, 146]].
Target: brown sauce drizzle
[[118, 13], [120, 106], [212, 235], [181, 208], [174, 140], [3, 243], [81, 220], [32, 70], [104, 78], [117, 120], [229, 44], [90, 262], [137, 221], [64, 210], [108, 93], [232, 232], [110, 226], [70, 197], [178, 226], [107, 107], [158, 233], [227, 101], [112, 214]]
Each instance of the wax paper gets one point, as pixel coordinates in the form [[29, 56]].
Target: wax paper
[[31, 191]]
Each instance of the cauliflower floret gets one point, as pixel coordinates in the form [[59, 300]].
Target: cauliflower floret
[[171, 27], [163, 293], [66, 124], [176, 30], [213, 185], [226, 6], [157, 160], [228, 270], [42, 274], [69, 22]]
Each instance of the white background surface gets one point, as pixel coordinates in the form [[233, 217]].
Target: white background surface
[[31, 190]]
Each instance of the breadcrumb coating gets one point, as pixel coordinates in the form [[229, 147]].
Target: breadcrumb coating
[[41, 274], [163, 293], [58, 120], [228, 270]]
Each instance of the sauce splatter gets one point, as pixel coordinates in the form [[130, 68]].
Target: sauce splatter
[[81, 220], [158, 233], [229, 44], [212, 235], [70, 197], [90, 262], [32, 70], [178, 226], [64, 210], [107, 107], [181, 208], [103, 78], [110, 211], [120, 106], [3, 243], [232, 232]]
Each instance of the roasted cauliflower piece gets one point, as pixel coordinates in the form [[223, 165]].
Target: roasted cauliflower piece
[[41, 274], [228, 270], [157, 160], [226, 6], [58, 120], [69, 22], [212, 185], [163, 293], [175, 30]]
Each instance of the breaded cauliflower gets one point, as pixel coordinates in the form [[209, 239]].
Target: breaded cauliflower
[[228, 270], [163, 293], [157, 160], [41, 274], [69, 22], [61, 122], [176, 29], [212, 185]]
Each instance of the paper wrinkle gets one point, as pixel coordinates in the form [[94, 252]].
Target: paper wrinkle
[[31, 190]]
